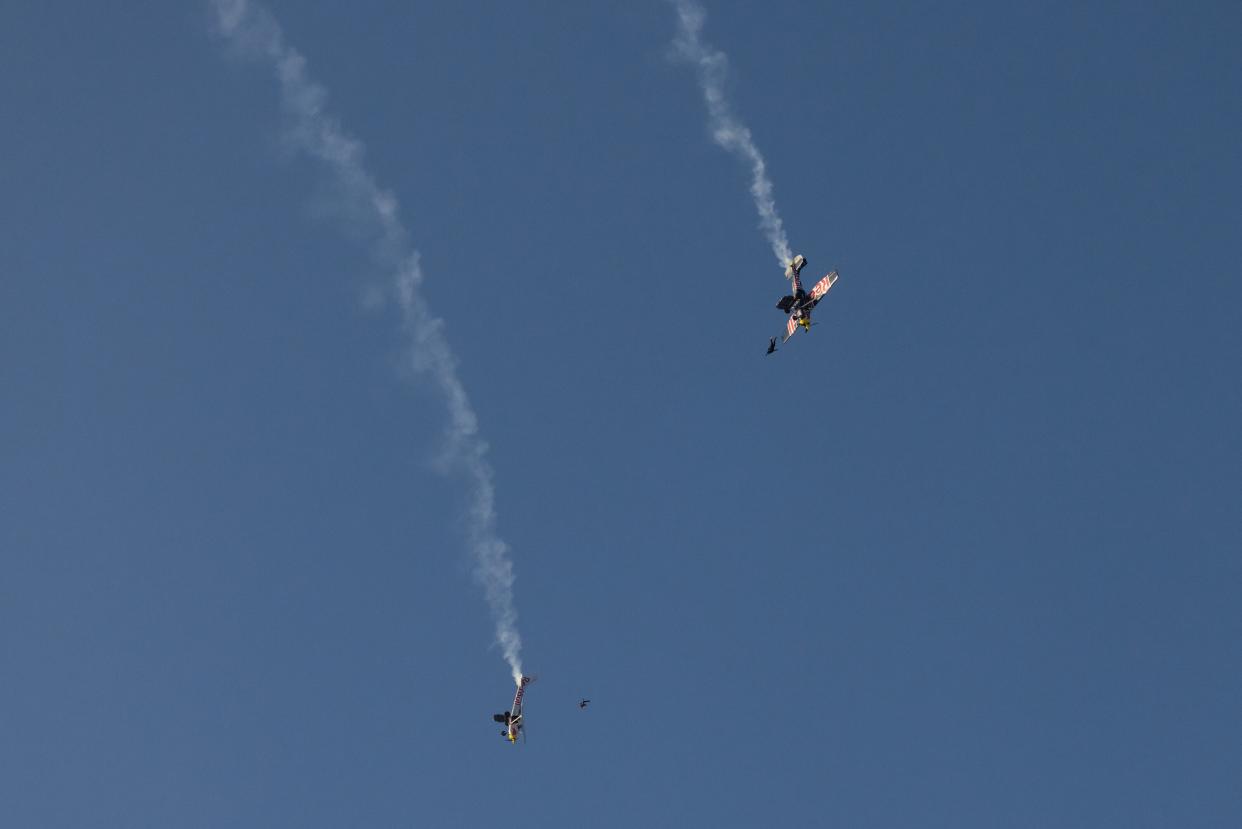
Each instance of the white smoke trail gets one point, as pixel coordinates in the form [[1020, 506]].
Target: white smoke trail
[[727, 130], [256, 34]]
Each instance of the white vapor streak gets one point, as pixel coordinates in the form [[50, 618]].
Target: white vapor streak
[[727, 130], [256, 34]]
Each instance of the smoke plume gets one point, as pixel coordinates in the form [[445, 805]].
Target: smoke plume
[[253, 32], [727, 130]]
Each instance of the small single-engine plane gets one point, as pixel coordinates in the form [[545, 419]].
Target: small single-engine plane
[[799, 304], [512, 719], [583, 703]]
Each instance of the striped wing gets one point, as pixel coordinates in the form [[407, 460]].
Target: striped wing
[[822, 286]]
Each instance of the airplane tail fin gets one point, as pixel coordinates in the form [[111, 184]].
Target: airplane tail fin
[[795, 266]]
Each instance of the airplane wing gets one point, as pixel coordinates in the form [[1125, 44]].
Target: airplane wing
[[822, 286], [791, 328]]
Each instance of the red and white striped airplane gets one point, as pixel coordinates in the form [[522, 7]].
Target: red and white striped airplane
[[512, 719], [799, 304]]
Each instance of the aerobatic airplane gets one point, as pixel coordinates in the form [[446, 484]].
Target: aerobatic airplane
[[799, 304], [512, 719]]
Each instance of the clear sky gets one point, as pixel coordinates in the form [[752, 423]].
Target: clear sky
[[966, 555]]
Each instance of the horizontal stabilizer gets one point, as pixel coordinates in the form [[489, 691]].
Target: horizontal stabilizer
[[795, 266]]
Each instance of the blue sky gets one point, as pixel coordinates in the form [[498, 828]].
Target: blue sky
[[966, 555]]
